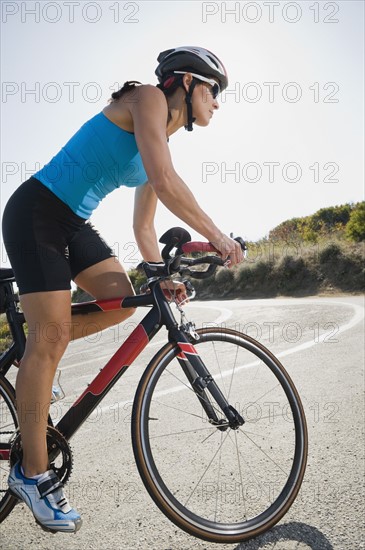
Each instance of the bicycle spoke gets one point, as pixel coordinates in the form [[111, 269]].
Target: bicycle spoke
[[220, 370], [181, 381], [205, 471], [208, 436], [207, 401], [191, 390], [263, 452], [219, 471], [185, 432], [239, 467], [253, 473], [268, 391], [180, 410], [234, 367]]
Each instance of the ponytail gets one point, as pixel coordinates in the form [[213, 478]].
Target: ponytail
[[169, 84], [127, 86]]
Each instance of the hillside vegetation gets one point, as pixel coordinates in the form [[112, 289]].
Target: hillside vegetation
[[320, 253], [345, 222]]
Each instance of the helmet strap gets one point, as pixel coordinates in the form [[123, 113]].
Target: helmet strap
[[189, 93]]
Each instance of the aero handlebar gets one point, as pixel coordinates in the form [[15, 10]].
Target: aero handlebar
[[179, 238], [178, 264]]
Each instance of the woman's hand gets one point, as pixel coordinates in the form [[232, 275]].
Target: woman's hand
[[174, 290], [229, 247]]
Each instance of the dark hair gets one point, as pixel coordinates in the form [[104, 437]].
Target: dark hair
[[127, 86], [170, 83]]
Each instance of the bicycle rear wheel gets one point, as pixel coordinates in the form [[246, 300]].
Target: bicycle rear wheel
[[220, 484], [8, 431]]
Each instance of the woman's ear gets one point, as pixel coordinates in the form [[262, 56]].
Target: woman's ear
[[187, 80]]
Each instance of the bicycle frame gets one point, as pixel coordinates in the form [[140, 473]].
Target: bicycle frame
[[160, 315]]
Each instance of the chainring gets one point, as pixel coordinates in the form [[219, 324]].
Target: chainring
[[59, 453]]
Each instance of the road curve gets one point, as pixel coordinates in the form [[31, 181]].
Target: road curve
[[319, 340]]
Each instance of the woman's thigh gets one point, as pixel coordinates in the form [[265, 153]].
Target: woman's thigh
[[106, 279], [94, 266], [48, 316]]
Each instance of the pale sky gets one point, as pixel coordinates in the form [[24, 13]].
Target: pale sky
[[287, 140]]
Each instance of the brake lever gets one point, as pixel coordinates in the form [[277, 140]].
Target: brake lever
[[243, 245]]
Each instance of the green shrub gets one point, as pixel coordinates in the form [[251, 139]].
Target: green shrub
[[137, 279], [224, 276], [325, 223], [331, 254], [243, 278], [331, 217], [78, 296], [355, 229], [224, 280], [5, 335], [262, 272], [293, 274]]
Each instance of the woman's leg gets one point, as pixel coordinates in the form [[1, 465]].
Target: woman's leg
[[48, 318], [104, 280]]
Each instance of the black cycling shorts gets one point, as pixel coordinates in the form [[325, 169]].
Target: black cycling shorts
[[46, 242]]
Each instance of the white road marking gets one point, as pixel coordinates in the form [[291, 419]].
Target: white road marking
[[357, 318]]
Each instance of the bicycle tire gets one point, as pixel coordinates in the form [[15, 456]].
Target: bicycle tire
[[8, 429], [151, 428]]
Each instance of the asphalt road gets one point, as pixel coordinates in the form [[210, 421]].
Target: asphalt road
[[320, 341]]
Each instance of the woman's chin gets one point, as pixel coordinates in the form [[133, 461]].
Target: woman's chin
[[202, 122]]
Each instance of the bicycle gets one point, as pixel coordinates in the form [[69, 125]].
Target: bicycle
[[192, 409]]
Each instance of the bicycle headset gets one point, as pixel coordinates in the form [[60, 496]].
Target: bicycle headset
[[201, 63]]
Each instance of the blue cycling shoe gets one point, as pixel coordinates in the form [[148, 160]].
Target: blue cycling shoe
[[45, 498]]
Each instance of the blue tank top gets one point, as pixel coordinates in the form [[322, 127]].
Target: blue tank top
[[99, 158]]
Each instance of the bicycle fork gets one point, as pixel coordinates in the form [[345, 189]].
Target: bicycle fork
[[197, 373], [201, 381]]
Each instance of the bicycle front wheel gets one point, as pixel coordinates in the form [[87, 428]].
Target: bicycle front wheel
[[216, 483], [8, 431]]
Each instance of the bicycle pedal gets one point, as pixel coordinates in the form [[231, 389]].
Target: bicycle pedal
[[18, 499]]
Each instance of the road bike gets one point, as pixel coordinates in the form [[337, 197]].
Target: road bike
[[218, 429]]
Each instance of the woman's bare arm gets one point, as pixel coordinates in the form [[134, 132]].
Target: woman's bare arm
[[145, 202], [149, 111], [149, 118]]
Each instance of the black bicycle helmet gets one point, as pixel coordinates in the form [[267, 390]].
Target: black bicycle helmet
[[194, 60]]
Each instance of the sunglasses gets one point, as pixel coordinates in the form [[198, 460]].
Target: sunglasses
[[215, 87]]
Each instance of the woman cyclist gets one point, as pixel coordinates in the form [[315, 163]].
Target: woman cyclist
[[125, 144]]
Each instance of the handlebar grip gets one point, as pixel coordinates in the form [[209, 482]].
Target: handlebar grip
[[190, 247]]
